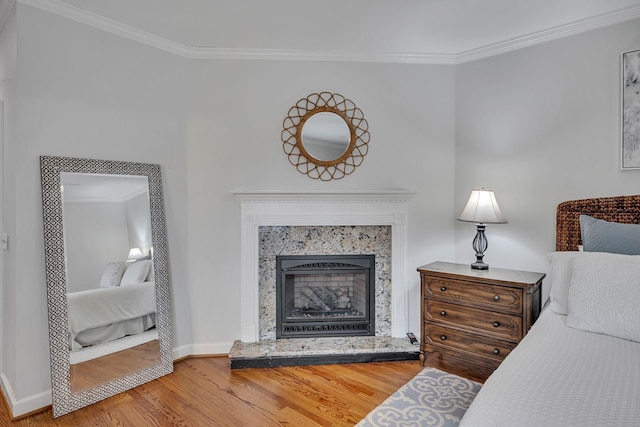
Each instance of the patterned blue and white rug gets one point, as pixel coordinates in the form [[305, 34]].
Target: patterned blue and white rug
[[431, 398]]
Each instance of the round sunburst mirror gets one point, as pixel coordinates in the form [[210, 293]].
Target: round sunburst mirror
[[325, 136]]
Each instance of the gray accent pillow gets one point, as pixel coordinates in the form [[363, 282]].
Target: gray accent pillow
[[603, 236]]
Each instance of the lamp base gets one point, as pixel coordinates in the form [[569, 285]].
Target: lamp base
[[480, 266], [479, 246]]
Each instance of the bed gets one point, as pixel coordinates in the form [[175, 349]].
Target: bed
[[117, 315], [579, 365]]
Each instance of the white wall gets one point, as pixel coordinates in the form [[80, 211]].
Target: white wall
[[84, 93], [8, 60], [93, 94], [540, 126], [236, 111]]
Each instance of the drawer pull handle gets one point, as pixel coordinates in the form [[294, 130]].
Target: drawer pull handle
[[496, 351], [443, 313], [443, 288], [496, 324], [496, 298], [443, 337]]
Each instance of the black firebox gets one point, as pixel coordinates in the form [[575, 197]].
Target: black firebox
[[325, 295]]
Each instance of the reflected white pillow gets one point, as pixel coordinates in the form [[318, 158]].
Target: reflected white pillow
[[152, 275], [604, 296], [561, 273], [136, 273], [112, 274]]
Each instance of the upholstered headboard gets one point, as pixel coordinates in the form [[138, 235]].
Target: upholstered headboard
[[624, 209]]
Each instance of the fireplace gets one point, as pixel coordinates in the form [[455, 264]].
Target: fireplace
[[280, 223], [305, 222], [325, 295]]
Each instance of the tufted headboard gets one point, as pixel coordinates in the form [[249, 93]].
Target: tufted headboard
[[624, 209]]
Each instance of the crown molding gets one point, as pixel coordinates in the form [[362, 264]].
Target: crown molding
[[555, 33], [79, 15], [318, 55], [105, 24]]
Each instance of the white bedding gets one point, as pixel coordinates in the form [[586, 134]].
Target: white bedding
[[559, 376], [92, 312]]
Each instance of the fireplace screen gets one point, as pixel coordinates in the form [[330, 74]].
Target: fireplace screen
[[325, 295]]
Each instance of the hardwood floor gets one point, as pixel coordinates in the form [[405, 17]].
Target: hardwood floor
[[206, 392]]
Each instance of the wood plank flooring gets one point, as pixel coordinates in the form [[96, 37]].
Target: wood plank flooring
[[206, 392]]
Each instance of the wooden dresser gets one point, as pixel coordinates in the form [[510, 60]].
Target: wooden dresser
[[472, 319]]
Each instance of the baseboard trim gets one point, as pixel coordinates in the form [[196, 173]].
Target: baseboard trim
[[22, 408], [195, 350]]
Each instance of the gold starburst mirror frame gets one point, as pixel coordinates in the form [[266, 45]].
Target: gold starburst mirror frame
[[325, 136]]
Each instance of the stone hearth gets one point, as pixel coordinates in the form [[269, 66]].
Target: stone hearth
[[313, 351]]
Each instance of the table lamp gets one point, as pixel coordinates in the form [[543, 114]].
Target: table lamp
[[482, 208], [134, 254]]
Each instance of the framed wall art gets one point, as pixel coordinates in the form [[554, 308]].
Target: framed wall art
[[630, 149]]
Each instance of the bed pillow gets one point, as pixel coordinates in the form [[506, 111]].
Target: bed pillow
[[599, 235], [136, 273], [151, 277], [561, 272], [112, 274], [560, 279], [604, 297]]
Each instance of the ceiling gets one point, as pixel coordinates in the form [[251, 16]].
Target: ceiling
[[404, 30], [90, 187]]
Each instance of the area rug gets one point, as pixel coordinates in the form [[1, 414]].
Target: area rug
[[431, 398]]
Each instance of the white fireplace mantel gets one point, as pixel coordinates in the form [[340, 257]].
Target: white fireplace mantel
[[318, 208]]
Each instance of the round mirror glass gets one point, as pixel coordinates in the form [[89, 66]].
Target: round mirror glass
[[326, 136]]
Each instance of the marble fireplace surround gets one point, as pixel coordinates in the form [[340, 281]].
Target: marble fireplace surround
[[314, 208]]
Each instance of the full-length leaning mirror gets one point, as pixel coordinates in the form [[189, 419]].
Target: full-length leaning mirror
[[107, 279]]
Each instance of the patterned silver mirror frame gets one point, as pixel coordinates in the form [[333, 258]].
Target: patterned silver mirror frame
[[50, 167]]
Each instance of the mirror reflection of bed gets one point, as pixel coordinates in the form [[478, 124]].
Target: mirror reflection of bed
[[111, 295]]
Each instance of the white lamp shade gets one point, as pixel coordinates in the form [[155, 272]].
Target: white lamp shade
[[482, 208], [134, 254]]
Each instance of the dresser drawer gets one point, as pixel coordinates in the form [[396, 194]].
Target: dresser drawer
[[502, 325], [441, 336], [492, 297]]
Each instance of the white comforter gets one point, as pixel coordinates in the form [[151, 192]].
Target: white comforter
[[559, 376], [101, 307]]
